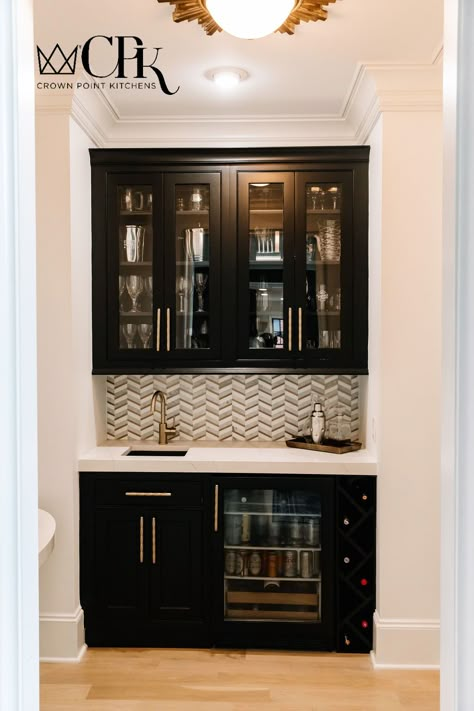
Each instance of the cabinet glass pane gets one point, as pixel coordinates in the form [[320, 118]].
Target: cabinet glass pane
[[272, 555], [266, 302], [193, 274], [135, 281], [323, 265]]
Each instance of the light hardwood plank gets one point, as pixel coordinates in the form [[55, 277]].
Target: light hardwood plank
[[232, 680]]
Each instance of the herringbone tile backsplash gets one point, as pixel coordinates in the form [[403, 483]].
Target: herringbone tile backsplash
[[227, 407]]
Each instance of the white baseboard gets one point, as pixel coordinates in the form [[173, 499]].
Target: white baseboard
[[62, 637], [405, 643]]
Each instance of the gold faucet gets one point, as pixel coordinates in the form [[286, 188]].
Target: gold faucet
[[165, 431]]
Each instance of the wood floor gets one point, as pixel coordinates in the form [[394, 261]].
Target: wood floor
[[201, 680]]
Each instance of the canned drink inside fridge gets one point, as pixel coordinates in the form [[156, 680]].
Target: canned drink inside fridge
[[255, 563], [317, 562], [245, 534], [295, 531], [291, 564], [232, 529], [272, 563], [274, 532], [311, 532], [306, 564], [239, 563], [230, 562]]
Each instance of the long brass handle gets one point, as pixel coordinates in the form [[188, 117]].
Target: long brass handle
[[290, 329], [300, 329], [153, 540], [168, 331], [158, 330], [216, 508], [141, 539], [148, 493]]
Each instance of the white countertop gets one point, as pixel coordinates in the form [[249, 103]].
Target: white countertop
[[46, 532], [226, 458]]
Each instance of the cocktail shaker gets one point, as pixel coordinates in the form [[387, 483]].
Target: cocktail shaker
[[134, 243], [195, 243]]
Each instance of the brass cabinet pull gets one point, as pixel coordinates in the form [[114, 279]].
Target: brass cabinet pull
[[300, 329], [158, 329], [141, 539], [216, 508], [168, 332], [290, 329], [148, 493], [153, 540]]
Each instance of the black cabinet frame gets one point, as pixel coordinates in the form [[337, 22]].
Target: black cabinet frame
[[229, 352]]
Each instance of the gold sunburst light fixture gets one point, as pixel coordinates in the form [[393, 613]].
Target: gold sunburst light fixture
[[249, 19]]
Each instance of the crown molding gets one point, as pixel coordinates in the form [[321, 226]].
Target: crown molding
[[375, 89]]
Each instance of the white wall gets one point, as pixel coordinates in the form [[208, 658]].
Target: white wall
[[18, 472], [69, 420], [405, 381]]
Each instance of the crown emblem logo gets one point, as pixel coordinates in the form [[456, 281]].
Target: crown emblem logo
[[57, 62]]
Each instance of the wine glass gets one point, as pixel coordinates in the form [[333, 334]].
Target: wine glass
[[334, 193], [200, 286], [134, 288], [183, 288], [129, 330], [148, 288], [122, 286], [144, 331]]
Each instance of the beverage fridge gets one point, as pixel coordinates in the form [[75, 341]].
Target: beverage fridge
[[274, 553]]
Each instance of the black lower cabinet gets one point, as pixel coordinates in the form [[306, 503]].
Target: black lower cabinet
[[143, 562], [194, 560]]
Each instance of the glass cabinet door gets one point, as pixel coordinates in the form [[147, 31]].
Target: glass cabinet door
[[133, 292], [192, 265], [266, 205], [272, 555], [324, 210]]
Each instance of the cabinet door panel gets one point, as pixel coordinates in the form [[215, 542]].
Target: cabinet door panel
[[176, 582], [266, 266], [191, 327], [120, 564], [135, 284], [324, 228]]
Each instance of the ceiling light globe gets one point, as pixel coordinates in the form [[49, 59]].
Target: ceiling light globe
[[250, 19]]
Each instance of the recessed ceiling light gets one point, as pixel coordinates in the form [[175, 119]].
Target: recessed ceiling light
[[227, 77]]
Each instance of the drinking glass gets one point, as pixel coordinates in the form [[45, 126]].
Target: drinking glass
[[200, 286], [122, 286], [134, 288], [148, 287], [183, 287], [144, 331], [129, 330]]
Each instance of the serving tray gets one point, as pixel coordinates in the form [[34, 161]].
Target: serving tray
[[331, 447]]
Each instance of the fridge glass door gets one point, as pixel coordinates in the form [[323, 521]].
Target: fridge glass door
[[272, 555]]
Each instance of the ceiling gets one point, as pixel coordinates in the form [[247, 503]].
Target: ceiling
[[308, 74]]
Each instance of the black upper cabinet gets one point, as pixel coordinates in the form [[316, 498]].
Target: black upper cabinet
[[230, 260]]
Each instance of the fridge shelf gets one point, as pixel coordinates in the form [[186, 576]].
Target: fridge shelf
[[283, 579], [272, 548]]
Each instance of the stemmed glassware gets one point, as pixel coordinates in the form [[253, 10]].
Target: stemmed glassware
[[134, 288], [129, 331], [148, 286], [122, 286], [144, 331], [183, 287], [200, 286]]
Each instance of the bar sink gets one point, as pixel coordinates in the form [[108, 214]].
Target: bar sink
[[156, 453]]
